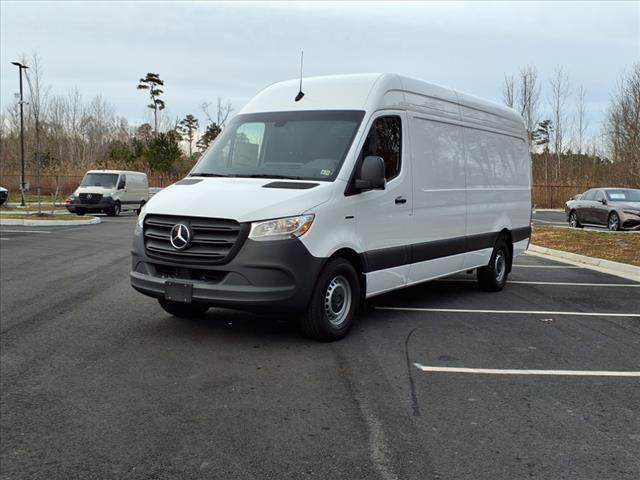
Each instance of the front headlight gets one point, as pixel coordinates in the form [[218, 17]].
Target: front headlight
[[140, 219], [632, 212], [108, 194], [281, 228]]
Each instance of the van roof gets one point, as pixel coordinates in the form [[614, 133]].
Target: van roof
[[374, 91]]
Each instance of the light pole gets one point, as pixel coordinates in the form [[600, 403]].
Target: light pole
[[22, 179]]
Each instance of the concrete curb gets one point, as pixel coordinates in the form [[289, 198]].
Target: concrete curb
[[48, 223], [548, 210], [623, 270]]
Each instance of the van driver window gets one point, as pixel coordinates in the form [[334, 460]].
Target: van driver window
[[122, 183], [385, 140]]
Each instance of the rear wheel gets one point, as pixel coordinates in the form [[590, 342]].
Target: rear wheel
[[614, 222], [183, 310], [493, 277], [80, 212], [334, 303], [140, 209], [573, 220]]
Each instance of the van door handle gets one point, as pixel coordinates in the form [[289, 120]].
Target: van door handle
[[400, 200]]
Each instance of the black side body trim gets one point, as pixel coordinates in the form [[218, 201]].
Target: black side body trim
[[291, 185], [522, 233], [420, 252]]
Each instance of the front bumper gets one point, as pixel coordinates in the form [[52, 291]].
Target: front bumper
[[262, 275], [629, 221], [105, 204]]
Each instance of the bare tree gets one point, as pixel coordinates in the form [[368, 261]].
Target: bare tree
[[581, 124], [223, 110], [528, 98], [38, 94], [509, 91], [559, 85], [623, 124]]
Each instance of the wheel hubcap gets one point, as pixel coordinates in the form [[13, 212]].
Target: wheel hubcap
[[500, 267], [337, 300], [613, 222], [572, 220]]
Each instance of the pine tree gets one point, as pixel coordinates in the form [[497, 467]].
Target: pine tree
[[187, 128], [152, 83]]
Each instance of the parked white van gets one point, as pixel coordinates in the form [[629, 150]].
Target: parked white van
[[367, 184], [110, 192]]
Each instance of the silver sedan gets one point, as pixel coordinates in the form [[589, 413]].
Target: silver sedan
[[614, 208]]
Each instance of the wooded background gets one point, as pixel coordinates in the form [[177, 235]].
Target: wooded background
[[66, 135]]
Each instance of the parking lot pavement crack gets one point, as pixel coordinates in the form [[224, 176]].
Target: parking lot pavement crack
[[397, 447], [412, 387]]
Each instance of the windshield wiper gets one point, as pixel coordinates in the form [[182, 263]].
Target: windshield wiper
[[207, 175]]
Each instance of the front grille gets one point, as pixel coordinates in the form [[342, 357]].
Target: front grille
[[215, 240], [90, 197]]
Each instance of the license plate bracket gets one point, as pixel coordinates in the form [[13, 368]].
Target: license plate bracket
[[178, 291]]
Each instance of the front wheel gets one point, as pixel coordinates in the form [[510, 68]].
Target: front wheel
[[573, 220], [334, 304], [614, 222], [115, 211], [183, 310], [493, 277]]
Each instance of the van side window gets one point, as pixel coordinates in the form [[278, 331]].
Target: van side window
[[122, 183], [385, 140]]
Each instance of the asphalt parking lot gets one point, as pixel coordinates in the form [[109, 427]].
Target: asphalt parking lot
[[99, 382]]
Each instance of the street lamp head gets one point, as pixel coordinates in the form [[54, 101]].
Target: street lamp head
[[18, 64]]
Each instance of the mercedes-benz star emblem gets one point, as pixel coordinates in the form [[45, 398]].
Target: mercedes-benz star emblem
[[180, 236], [89, 196]]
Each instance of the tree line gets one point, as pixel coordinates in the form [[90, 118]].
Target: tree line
[[565, 151], [68, 134]]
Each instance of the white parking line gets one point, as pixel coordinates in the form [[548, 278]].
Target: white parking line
[[570, 284], [511, 312], [23, 231], [496, 371], [544, 266]]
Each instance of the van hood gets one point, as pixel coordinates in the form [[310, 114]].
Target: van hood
[[241, 199]]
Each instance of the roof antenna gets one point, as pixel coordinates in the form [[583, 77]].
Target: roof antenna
[[300, 93]]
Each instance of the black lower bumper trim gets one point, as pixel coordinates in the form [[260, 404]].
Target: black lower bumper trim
[[263, 275]]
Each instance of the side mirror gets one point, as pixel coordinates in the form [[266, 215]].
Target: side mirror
[[371, 176], [603, 201]]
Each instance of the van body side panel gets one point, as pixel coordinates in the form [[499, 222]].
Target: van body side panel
[[439, 207], [498, 186]]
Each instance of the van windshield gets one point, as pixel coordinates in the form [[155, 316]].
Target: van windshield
[[106, 180], [301, 145]]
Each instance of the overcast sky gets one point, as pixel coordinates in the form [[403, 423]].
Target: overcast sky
[[204, 50]]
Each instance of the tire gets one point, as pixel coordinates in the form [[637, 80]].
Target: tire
[[334, 304], [115, 211], [80, 212], [183, 310], [613, 222], [573, 220], [493, 277], [139, 209]]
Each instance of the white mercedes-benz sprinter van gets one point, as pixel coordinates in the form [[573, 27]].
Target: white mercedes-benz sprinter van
[[110, 192], [366, 184]]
